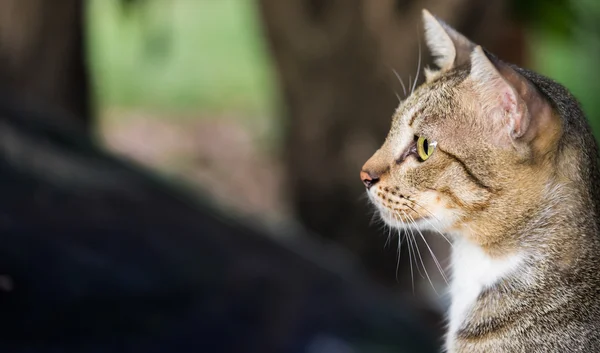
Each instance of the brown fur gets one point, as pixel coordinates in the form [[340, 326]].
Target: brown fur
[[529, 184]]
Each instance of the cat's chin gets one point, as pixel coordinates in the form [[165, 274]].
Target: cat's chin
[[434, 223], [395, 221]]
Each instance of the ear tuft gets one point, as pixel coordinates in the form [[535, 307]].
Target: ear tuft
[[448, 46], [439, 42]]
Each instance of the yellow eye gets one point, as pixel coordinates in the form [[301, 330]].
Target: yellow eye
[[425, 148]]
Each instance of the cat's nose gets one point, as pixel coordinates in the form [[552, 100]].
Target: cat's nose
[[368, 178]]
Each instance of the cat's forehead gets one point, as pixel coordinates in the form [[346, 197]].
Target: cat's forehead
[[431, 99], [426, 111]]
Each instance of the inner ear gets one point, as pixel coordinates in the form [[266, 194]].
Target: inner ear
[[539, 119], [510, 99], [450, 48]]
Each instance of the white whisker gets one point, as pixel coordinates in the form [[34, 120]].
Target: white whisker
[[399, 252], [419, 252], [401, 81], [412, 276], [415, 250], [428, 221], [389, 237], [431, 252], [373, 218], [399, 245], [418, 66]]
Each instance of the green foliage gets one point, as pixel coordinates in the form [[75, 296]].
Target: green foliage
[[209, 55], [179, 55], [571, 58], [553, 17]]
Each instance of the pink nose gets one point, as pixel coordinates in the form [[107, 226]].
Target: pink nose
[[368, 179]]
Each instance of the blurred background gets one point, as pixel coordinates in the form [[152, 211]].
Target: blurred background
[[270, 108], [267, 109]]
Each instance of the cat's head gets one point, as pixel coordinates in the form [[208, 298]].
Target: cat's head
[[470, 150]]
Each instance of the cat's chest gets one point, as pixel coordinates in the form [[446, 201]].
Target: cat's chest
[[473, 271]]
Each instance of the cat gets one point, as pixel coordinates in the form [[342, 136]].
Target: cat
[[502, 161]]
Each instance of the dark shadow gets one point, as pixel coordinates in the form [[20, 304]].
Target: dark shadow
[[98, 255]]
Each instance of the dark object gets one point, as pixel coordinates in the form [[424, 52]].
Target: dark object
[[97, 256], [42, 55]]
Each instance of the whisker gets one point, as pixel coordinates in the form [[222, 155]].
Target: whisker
[[373, 219], [400, 233], [401, 81], [412, 246], [412, 277], [418, 65], [426, 210], [363, 196], [431, 252], [389, 237], [419, 252], [399, 250], [428, 221], [415, 249], [409, 82]]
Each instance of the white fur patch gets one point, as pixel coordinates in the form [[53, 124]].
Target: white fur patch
[[472, 272]]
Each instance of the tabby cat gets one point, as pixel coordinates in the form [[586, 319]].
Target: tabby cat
[[502, 161]]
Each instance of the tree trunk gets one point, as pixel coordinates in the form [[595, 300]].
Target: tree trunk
[[42, 56], [335, 61]]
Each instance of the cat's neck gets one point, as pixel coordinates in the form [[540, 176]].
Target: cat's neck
[[564, 224], [562, 233], [562, 217], [473, 270]]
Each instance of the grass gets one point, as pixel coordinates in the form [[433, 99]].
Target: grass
[[181, 55]]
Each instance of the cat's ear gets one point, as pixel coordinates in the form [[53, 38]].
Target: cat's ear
[[512, 102], [449, 47]]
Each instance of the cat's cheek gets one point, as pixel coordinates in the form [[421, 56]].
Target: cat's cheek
[[442, 215]]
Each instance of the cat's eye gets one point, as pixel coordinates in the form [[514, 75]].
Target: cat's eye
[[425, 148]]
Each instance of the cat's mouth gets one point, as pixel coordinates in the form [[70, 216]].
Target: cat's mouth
[[402, 217], [405, 212], [397, 211]]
